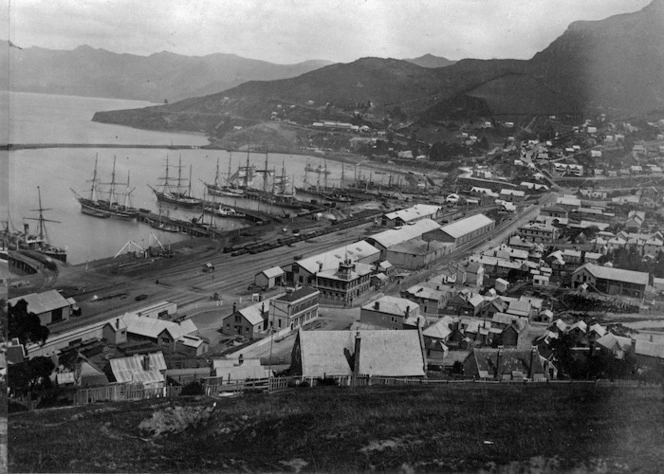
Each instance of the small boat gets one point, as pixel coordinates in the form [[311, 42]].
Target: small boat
[[228, 212]]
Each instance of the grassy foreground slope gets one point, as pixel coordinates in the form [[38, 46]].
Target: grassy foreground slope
[[330, 429]]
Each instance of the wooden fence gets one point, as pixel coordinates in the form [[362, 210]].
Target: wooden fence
[[123, 392]]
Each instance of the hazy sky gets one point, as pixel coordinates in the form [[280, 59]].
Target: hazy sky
[[286, 31]]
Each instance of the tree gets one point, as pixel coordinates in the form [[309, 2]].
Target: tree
[[33, 374], [24, 325]]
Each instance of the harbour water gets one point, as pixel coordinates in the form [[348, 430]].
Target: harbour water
[[41, 118]]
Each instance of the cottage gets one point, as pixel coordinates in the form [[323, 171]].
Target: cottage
[[344, 353], [430, 300], [147, 370], [507, 364], [249, 322], [470, 273], [389, 312], [157, 331]]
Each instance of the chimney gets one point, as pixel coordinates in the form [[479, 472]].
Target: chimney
[[146, 362], [356, 355], [234, 307], [240, 359], [117, 324], [407, 312], [376, 305], [533, 354], [498, 358]]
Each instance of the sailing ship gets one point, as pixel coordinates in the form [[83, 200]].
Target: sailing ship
[[216, 189], [176, 194], [105, 208], [40, 243]]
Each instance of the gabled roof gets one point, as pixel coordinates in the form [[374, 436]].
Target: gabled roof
[[130, 369], [441, 329], [254, 313], [152, 327], [273, 272], [614, 343], [395, 353], [465, 226], [614, 274], [393, 305], [511, 360], [392, 237], [598, 329], [39, 303], [414, 212]]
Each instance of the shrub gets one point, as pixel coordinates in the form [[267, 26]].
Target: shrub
[[193, 388]]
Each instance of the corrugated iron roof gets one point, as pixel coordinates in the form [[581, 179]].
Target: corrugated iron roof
[[330, 260], [615, 274], [130, 369], [392, 237], [152, 327]]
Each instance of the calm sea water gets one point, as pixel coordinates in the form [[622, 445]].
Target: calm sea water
[[40, 118]]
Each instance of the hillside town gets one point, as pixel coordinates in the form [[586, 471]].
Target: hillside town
[[545, 264]]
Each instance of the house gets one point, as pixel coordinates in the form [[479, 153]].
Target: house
[[430, 300], [470, 273], [389, 312], [115, 331], [269, 278], [613, 281], [648, 352], [507, 364], [618, 346], [344, 353], [465, 303], [501, 285], [147, 369], [249, 322], [294, 309], [158, 331], [345, 284], [192, 346], [436, 335], [634, 220], [539, 233], [555, 211], [50, 306]]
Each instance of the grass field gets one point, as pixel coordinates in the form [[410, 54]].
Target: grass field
[[331, 429]]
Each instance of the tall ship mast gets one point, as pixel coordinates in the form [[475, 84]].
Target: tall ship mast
[[105, 208], [178, 194], [244, 177], [217, 189], [40, 242]]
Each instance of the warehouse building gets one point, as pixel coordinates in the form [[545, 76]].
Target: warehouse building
[[390, 238], [50, 306], [614, 281], [410, 215], [416, 254], [462, 231]]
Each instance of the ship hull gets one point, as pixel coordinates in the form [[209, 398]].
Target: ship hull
[[177, 200], [102, 210]]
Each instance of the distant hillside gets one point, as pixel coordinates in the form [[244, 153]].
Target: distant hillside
[[97, 72], [431, 61], [616, 64]]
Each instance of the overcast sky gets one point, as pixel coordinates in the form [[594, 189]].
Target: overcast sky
[[288, 31]]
